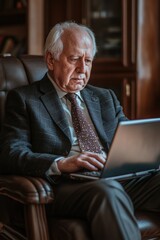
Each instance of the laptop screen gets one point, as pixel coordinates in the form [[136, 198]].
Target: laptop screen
[[135, 148]]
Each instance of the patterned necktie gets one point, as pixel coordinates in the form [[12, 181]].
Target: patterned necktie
[[86, 136]]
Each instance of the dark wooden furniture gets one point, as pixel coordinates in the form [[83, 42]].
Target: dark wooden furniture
[[23, 200], [128, 36], [13, 27], [23, 21]]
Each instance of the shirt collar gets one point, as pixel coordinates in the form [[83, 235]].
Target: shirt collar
[[61, 93]]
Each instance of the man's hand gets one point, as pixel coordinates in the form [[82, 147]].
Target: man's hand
[[87, 160]]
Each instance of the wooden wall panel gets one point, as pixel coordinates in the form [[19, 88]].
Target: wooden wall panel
[[148, 54]]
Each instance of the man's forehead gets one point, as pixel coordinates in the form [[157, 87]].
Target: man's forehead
[[81, 52], [77, 42], [75, 35]]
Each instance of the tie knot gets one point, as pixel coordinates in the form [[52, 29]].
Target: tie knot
[[71, 97]]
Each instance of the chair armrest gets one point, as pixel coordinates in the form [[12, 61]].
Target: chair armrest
[[27, 190]]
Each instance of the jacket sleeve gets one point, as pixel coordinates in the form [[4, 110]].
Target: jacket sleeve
[[16, 155], [118, 108]]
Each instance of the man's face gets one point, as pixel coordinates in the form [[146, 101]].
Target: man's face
[[72, 71]]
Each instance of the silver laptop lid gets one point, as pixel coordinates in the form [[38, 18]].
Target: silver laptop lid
[[135, 148]]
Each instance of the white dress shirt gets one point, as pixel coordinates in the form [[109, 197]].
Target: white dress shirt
[[53, 170]]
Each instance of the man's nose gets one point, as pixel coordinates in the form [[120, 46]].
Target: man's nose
[[81, 66]]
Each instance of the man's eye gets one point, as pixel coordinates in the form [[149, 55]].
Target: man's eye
[[74, 59], [88, 61]]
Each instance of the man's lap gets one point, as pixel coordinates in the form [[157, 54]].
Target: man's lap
[[73, 195], [73, 198], [144, 192]]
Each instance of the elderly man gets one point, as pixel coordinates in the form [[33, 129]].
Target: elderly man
[[61, 124]]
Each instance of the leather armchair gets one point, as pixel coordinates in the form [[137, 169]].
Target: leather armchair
[[23, 200]]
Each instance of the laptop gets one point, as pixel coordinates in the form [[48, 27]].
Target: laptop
[[134, 152]]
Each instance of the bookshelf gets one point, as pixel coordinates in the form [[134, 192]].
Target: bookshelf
[[21, 27], [13, 28]]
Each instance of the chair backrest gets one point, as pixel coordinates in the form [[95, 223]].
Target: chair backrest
[[15, 72]]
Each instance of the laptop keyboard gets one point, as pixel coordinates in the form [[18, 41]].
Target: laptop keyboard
[[90, 173]]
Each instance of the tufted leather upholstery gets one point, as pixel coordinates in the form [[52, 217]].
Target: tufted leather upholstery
[[23, 200]]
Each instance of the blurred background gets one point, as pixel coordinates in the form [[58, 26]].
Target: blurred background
[[128, 40]]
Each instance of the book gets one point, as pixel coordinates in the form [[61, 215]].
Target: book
[[7, 44]]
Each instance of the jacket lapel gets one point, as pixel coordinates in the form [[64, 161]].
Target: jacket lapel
[[93, 104], [53, 105]]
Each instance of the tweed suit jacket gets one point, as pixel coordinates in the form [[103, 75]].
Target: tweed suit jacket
[[36, 130]]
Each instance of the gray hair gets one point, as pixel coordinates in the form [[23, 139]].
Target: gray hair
[[54, 43]]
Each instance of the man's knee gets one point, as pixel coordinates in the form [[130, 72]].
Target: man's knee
[[108, 188], [108, 194]]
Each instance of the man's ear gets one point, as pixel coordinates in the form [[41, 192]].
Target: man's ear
[[49, 60]]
